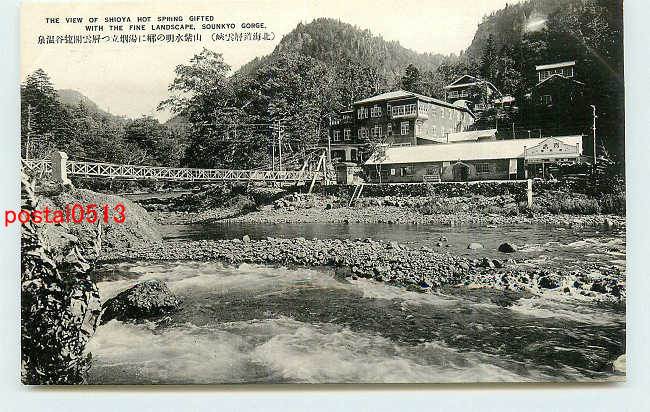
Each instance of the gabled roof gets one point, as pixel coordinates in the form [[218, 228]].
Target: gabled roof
[[555, 65], [403, 94], [465, 79], [471, 136], [559, 76], [490, 150], [468, 80]]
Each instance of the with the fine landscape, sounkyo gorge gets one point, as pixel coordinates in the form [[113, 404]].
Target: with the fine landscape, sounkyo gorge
[[267, 193]]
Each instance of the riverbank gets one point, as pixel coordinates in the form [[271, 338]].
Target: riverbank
[[380, 214], [548, 209], [420, 269]]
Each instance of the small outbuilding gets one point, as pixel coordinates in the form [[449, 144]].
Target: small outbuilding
[[472, 160]]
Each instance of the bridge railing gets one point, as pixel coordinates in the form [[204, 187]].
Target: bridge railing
[[133, 172]]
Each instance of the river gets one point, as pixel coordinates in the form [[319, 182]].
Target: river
[[259, 324]]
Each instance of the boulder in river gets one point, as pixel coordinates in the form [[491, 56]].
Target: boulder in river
[[148, 299], [548, 282], [474, 246], [507, 248]]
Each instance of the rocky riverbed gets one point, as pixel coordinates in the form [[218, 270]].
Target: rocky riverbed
[[302, 208], [420, 269], [384, 214]]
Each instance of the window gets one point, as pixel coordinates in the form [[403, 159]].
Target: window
[[404, 128], [335, 121], [453, 94], [347, 135], [433, 129], [363, 133], [404, 110], [463, 93], [362, 113], [389, 130], [375, 111], [407, 171], [482, 168], [547, 99], [376, 132], [393, 172], [337, 135]]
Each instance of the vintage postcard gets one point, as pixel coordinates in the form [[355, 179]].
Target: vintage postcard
[[377, 191]]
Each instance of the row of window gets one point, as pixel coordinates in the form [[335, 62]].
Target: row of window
[[335, 121], [376, 132], [347, 135], [407, 110], [409, 170], [404, 110], [455, 94], [563, 71]]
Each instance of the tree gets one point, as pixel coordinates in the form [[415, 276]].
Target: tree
[[355, 81], [202, 93], [43, 119], [159, 144], [411, 80], [487, 65]]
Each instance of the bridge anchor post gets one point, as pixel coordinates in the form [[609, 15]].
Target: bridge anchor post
[[59, 167]]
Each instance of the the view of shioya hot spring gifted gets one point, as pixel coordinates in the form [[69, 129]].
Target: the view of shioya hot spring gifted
[[342, 209]]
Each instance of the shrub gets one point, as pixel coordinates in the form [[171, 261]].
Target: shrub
[[613, 203]]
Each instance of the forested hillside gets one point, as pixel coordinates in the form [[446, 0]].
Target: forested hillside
[[509, 43], [67, 120], [338, 44], [227, 119]]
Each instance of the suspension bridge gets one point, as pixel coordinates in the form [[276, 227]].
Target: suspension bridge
[[60, 168]]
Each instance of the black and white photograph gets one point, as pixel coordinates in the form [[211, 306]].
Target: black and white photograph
[[303, 192]]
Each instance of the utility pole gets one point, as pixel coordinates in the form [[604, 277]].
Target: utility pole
[[279, 145], [329, 141], [272, 149], [594, 132], [29, 131]]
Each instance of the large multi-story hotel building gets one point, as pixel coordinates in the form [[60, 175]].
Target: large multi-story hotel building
[[398, 118]]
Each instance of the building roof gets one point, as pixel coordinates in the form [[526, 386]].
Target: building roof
[[471, 136], [468, 80], [559, 76], [403, 94], [555, 65], [504, 99], [490, 150]]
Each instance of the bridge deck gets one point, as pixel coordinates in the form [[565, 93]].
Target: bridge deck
[[132, 172]]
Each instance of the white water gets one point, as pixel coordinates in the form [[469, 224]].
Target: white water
[[272, 345]]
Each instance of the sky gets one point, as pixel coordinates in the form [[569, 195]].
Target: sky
[[131, 80]]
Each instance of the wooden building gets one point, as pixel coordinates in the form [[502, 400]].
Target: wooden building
[[478, 94], [472, 160], [398, 118], [557, 102]]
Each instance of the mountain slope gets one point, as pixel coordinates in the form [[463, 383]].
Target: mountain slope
[[72, 98], [507, 25], [333, 42]]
